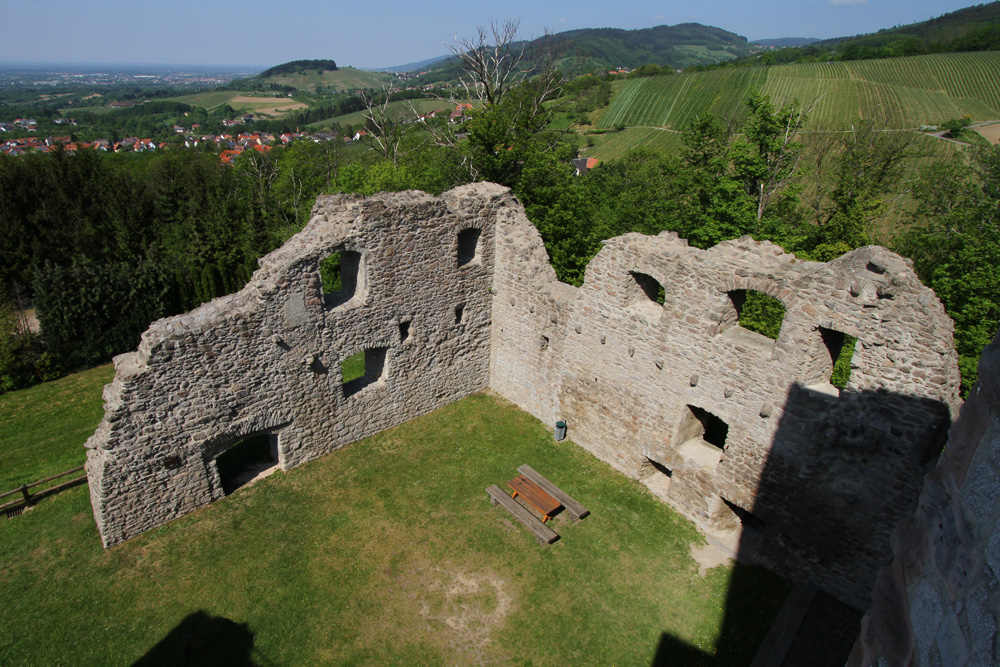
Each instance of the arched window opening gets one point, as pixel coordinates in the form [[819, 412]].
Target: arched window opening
[[645, 287]]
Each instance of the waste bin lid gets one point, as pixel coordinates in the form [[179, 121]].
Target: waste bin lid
[[561, 424]]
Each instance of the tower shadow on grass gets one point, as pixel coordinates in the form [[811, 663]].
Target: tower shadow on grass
[[841, 473], [203, 640]]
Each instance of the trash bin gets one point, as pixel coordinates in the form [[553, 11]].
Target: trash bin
[[560, 430]]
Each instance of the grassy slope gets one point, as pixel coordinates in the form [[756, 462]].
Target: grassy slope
[[908, 92], [387, 552], [42, 429], [911, 91]]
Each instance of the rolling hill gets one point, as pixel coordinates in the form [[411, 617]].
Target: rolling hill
[[342, 79], [938, 30], [603, 49], [312, 76]]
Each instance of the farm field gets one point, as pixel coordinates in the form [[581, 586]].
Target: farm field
[[387, 552], [271, 106], [990, 132], [69, 111], [264, 104], [908, 92]]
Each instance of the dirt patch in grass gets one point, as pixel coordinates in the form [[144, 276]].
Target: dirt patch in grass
[[462, 607]]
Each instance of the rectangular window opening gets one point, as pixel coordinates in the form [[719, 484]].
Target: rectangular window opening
[[468, 245], [342, 277], [758, 312], [246, 459], [698, 423], [362, 369], [659, 467], [701, 437], [404, 331]]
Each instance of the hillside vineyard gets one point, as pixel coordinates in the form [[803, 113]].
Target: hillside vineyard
[[646, 362]]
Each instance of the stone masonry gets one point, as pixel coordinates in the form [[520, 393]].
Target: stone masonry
[[266, 360], [938, 602], [728, 426]]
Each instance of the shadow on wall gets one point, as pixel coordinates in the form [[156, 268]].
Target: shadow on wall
[[821, 518], [202, 639]]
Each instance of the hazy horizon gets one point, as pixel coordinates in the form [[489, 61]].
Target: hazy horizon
[[215, 33]]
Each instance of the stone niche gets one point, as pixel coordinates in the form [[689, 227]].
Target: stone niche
[[646, 362]]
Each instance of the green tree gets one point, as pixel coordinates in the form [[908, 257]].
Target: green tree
[[954, 242], [766, 157]]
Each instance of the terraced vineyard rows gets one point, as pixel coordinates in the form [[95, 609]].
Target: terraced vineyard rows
[[673, 101], [614, 145], [907, 91]]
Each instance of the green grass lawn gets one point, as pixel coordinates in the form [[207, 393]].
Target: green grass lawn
[[387, 552], [42, 429]]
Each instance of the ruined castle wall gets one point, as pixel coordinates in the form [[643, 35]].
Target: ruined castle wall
[[823, 473], [826, 473], [267, 360], [938, 602]]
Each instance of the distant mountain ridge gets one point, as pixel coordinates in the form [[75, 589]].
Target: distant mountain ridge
[[675, 46], [603, 49], [412, 67], [783, 42], [944, 28]]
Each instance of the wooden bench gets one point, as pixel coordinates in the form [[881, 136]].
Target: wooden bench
[[577, 510], [543, 533], [535, 496]]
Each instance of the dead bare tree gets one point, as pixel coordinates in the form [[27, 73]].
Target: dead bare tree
[[492, 60], [386, 126]]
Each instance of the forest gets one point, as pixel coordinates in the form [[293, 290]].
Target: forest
[[103, 244]]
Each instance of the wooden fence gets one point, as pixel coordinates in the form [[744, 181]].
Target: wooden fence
[[27, 498]]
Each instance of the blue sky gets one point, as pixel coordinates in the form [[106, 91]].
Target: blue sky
[[387, 32]]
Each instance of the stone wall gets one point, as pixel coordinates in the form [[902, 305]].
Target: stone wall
[[824, 474], [267, 359], [938, 602]]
